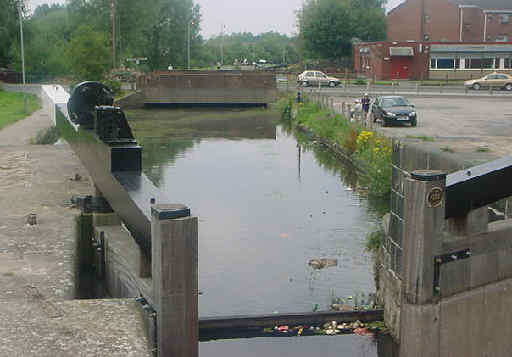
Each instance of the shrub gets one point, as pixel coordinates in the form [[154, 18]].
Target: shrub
[[374, 241], [46, 136], [360, 81], [284, 107], [115, 86], [349, 141]]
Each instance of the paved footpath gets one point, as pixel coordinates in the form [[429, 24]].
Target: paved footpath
[[37, 263]]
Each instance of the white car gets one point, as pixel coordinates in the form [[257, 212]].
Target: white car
[[315, 78]]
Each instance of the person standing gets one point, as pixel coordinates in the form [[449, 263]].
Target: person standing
[[365, 103]]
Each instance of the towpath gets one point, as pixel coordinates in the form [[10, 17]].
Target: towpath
[[39, 314]]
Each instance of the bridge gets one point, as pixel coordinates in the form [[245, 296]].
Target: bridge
[[207, 88]]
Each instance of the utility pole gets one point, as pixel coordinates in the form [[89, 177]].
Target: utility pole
[[22, 57], [113, 34], [188, 43], [222, 45], [119, 47]]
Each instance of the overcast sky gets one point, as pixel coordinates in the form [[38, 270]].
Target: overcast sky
[[254, 16]]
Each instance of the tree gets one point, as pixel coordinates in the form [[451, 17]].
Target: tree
[[9, 28], [327, 28], [89, 54], [167, 37], [47, 35], [271, 46]]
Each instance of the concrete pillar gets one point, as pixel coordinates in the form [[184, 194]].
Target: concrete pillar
[[423, 225], [175, 281]]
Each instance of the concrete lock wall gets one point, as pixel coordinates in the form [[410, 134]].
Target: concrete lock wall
[[446, 283], [405, 158]]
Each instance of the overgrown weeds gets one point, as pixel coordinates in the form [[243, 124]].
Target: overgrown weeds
[[373, 241], [47, 136], [369, 149]]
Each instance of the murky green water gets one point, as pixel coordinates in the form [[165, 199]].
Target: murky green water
[[267, 206]]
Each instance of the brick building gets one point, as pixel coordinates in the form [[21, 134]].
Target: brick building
[[441, 39], [451, 20]]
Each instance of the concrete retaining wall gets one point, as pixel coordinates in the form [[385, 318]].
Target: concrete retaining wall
[[208, 87], [133, 100], [27, 88]]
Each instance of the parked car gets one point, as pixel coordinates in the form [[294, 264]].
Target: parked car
[[393, 110], [314, 78], [493, 80]]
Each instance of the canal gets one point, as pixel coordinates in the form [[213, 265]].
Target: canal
[[271, 205]]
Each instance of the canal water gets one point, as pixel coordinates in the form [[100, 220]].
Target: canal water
[[269, 203]]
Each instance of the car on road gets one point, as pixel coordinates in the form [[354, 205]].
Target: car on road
[[493, 80], [393, 110], [315, 78]]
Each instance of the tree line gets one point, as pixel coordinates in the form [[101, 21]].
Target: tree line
[[77, 38]]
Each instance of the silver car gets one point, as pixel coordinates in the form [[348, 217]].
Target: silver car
[[315, 78]]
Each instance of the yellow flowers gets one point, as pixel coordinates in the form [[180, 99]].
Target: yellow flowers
[[367, 141], [364, 137]]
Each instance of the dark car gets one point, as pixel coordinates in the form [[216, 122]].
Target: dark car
[[394, 110]]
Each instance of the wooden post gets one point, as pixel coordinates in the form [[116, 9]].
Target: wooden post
[[175, 281], [424, 209]]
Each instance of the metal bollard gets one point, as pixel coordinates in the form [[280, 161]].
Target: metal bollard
[[32, 219]]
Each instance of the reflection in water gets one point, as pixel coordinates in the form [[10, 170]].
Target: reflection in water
[[154, 129], [159, 152], [267, 207]]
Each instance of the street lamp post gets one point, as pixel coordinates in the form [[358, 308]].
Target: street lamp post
[[223, 27], [191, 22], [22, 57]]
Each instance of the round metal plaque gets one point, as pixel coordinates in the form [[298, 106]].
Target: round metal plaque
[[435, 197]]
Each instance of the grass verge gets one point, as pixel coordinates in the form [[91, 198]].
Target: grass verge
[[420, 137], [368, 150], [11, 107]]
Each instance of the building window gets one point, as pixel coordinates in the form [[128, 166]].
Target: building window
[[504, 18], [480, 63], [508, 63], [501, 38], [444, 63], [427, 19]]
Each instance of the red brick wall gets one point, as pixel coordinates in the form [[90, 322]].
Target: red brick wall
[[403, 22], [473, 25], [495, 28], [379, 60], [442, 23]]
